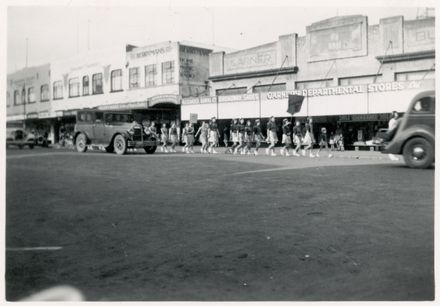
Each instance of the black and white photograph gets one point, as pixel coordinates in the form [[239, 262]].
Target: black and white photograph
[[219, 151]]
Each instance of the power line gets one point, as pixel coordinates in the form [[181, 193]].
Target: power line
[[278, 72], [381, 62]]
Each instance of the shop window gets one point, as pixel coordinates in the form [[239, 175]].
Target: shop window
[[414, 75], [31, 95], [368, 79], [85, 82], [97, 84], [73, 87], [168, 72], [313, 84], [44, 93], [57, 90], [133, 77], [150, 75], [16, 97], [267, 88], [116, 80], [231, 91]]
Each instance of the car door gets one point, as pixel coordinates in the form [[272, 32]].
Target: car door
[[99, 127]]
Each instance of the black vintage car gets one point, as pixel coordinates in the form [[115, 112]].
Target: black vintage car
[[111, 130]]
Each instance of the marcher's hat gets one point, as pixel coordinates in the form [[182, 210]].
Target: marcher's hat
[[257, 120], [284, 120]]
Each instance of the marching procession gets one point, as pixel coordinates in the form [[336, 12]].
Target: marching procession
[[246, 137]]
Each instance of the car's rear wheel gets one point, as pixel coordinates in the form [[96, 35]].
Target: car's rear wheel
[[418, 153], [81, 143], [150, 149], [120, 145]]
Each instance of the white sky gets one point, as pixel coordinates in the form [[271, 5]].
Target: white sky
[[56, 32]]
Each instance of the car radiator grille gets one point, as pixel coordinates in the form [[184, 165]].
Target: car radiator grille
[[137, 134]]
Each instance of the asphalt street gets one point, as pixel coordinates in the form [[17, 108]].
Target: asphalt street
[[167, 227]]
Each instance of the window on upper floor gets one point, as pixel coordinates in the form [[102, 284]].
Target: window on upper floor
[[74, 87], [86, 87], [57, 90], [31, 95], [44, 93], [313, 84], [359, 80], [267, 88], [116, 80], [16, 97], [168, 72], [97, 87], [133, 77], [150, 75], [414, 75]]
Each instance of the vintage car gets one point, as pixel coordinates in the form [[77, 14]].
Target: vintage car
[[113, 131], [19, 137], [415, 134]]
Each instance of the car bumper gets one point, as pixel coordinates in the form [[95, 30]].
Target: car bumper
[[141, 144]]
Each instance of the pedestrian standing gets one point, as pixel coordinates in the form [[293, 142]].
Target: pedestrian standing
[[152, 129], [226, 137], [272, 137], [258, 136], [190, 138], [164, 138], [287, 138], [249, 131], [241, 133], [174, 137], [297, 137], [323, 142], [213, 135]]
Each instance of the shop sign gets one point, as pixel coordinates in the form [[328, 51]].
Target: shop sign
[[150, 52], [163, 99], [238, 98], [201, 100], [193, 118], [32, 116], [364, 117], [346, 90], [43, 115], [131, 105], [69, 113]]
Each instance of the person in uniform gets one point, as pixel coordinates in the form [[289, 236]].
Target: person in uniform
[[190, 138], [287, 138], [323, 142], [241, 133], [226, 136], [297, 137], [234, 136], [164, 138], [258, 136], [203, 131], [152, 129], [174, 137], [307, 140], [272, 137], [213, 135], [184, 137], [248, 137]]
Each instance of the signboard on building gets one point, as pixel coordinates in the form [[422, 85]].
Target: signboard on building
[[124, 106], [259, 58], [193, 118], [419, 35], [337, 37], [174, 99]]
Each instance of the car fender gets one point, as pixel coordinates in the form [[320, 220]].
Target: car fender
[[83, 132], [398, 143], [124, 134]]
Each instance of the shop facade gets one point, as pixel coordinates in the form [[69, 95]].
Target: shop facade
[[352, 75]]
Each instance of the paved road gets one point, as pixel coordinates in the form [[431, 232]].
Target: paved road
[[219, 227]]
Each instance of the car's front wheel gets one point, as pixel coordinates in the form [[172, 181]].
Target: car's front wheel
[[120, 145], [418, 153], [81, 143], [150, 149]]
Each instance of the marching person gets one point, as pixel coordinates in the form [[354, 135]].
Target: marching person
[[203, 131], [272, 137], [248, 137], [331, 142], [164, 138], [297, 138], [234, 136], [308, 140], [190, 138], [286, 140], [213, 135], [258, 135], [323, 142], [184, 138], [152, 129], [174, 137], [241, 133], [226, 137]]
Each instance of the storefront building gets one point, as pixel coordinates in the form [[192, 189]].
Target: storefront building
[[352, 75]]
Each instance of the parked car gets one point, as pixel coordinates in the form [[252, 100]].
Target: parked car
[[112, 131], [415, 134], [19, 137]]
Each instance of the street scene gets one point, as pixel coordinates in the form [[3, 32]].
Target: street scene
[[212, 164]]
